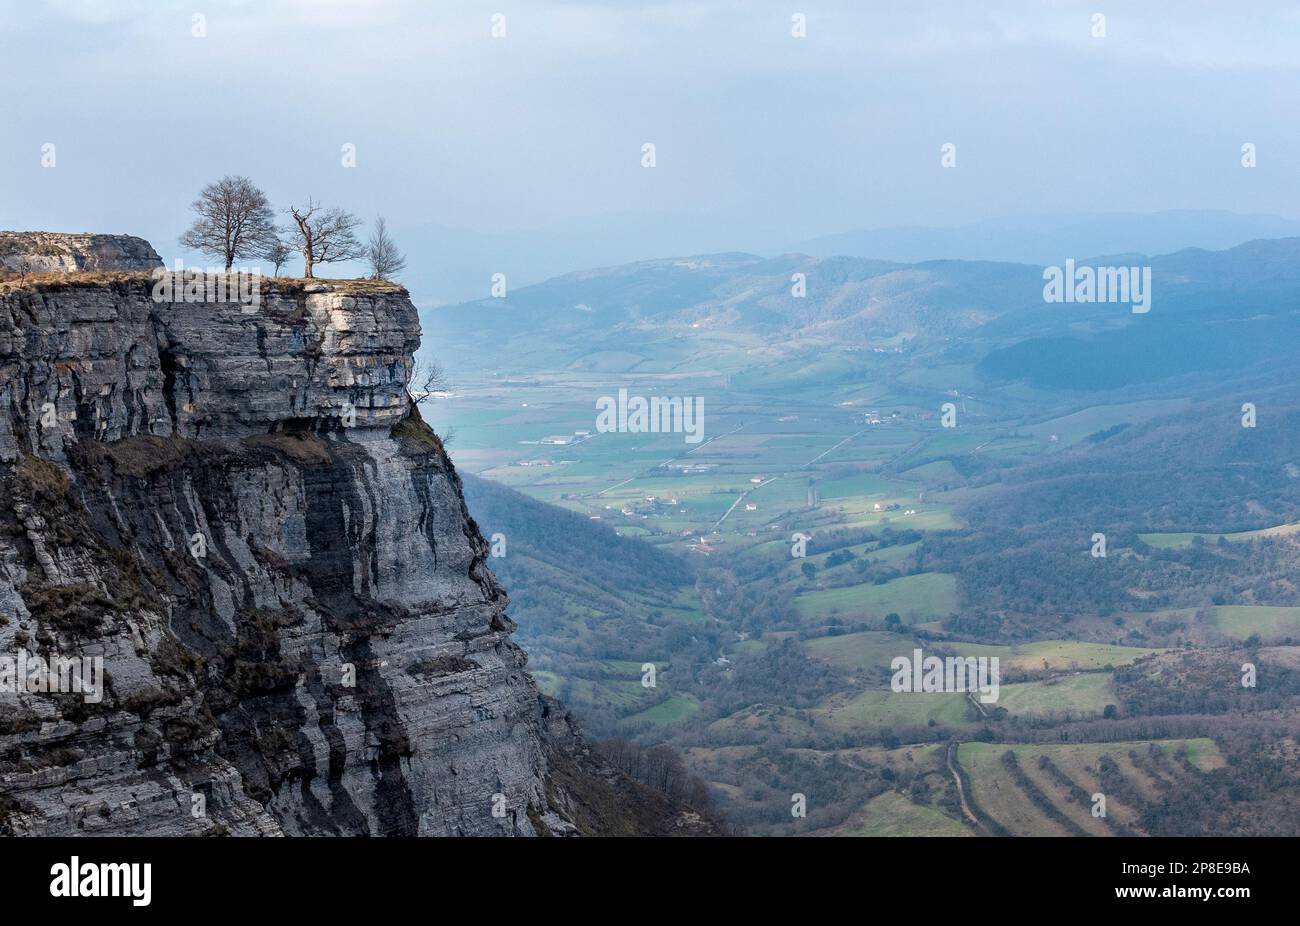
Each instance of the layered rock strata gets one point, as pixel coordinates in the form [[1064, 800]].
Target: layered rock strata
[[238, 509]]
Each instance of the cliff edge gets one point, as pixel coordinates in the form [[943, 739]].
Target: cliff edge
[[235, 507]]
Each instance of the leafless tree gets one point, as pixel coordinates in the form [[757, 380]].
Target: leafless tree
[[233, 220], [278, 253], [426, 380], [323, 236], [26, 265], [382, 254]]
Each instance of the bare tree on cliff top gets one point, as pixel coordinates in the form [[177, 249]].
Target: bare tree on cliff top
[[233, 220], [323, 236], [382, 254], [277, 254]]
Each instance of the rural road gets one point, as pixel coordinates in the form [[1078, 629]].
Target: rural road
[[961, 792], [666, 462], [743, 495], [833, 449]]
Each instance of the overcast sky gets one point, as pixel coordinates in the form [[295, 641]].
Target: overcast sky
[[761, 137]]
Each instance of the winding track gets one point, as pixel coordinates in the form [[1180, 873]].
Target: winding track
[[961, 792]]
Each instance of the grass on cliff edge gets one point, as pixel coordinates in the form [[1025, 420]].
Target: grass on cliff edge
[[413, 427], [12, 281]]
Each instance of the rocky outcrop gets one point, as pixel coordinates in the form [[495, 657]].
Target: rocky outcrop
[[240, 511], [53, 252]]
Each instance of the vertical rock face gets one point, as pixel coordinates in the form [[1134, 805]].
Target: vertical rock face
[[237, 508]]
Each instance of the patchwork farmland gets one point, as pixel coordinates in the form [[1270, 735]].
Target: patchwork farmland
[[818, 532]]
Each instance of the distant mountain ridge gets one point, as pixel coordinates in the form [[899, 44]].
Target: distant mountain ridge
[[464, 260], [847, 301], [1026, 239]]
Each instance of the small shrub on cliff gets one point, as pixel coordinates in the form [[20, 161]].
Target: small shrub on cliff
[[171, 658], [76, 609]]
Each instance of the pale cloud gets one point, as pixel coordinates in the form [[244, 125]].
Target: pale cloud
[[759, 135], [98, 12]]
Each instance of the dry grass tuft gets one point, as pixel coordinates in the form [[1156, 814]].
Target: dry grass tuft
[[13, 281]]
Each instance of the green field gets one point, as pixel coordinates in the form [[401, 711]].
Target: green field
[[1072, 428], [892, 814], [938, 471], [673, 710], [875, 648], [1077, 695], [1177, 541], [1057, 655], [870, 649], [1241, 621], [925, 596], [864, 485]]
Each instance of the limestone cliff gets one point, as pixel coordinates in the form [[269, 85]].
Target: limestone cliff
[[238, 508], [41, 252]]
